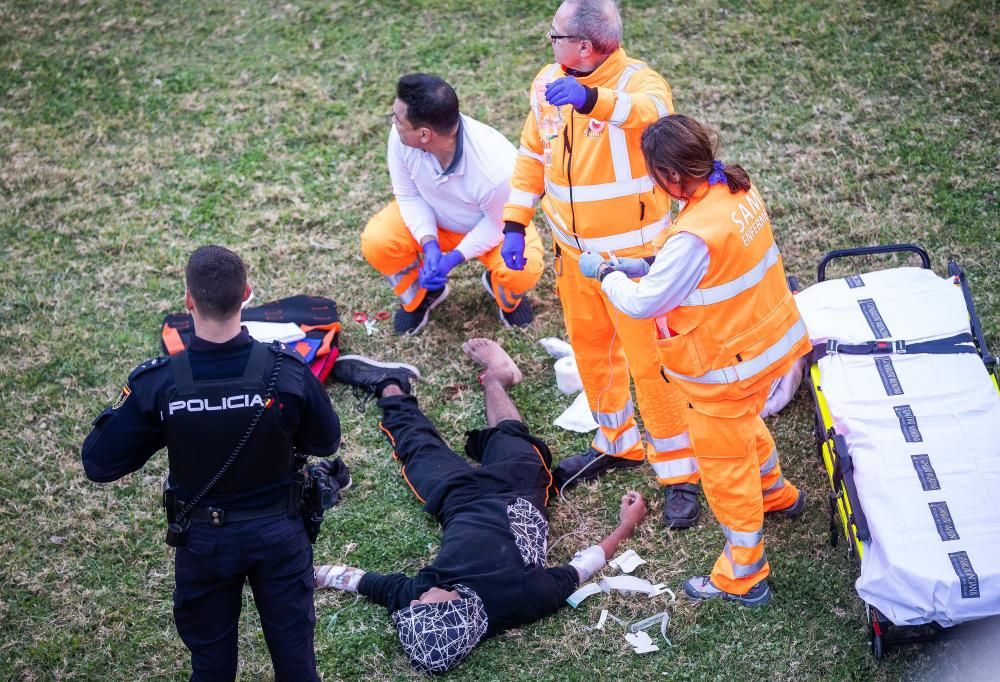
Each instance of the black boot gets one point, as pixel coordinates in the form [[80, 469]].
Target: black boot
[[680, 506], [588, 466]]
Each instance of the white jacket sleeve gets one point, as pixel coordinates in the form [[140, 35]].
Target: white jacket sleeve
[[417, 214], [679, 267]]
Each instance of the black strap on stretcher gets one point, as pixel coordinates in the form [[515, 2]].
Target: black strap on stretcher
[[843, 473], [959, 343]]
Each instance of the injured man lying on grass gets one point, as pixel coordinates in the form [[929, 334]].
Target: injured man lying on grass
[[490, 574]]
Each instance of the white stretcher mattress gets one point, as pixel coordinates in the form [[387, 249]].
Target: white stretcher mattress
[[923, 431]]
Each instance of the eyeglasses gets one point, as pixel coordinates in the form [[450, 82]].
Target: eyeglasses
[[554, 37]]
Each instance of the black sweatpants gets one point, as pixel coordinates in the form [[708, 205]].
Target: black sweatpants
[[513, 461]]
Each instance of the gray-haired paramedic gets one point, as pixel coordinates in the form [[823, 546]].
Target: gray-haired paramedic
[[201, 404]]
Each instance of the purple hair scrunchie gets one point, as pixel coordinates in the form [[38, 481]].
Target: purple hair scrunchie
[[718, 173]]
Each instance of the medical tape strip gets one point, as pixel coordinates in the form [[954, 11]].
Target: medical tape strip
[[925, 472], [967, 576], [887, 372], [908, 424], [874, 318], [943, 521]]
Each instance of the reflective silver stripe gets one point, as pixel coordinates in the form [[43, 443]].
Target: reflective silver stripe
[[776, 486], [398, 277], [675, 468], [669, 444], [410, 293], [661, 108], [616, 242], [620, 159], [524, 151], [744, 570], [740, 538], [623, 107], [613, 420], [522, 198], [748, 280], [601, 192], [622, 443], [768, 466], [509, 298], [753, 366]]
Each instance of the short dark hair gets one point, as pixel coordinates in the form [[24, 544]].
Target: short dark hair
[[429, 101], [216, 278]]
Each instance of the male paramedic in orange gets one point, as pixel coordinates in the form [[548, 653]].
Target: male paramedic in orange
[[450, 177], [598, 197]]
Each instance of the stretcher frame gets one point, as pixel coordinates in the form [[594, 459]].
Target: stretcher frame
[[847, 518]]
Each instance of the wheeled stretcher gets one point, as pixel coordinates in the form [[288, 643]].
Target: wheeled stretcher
[[908, 429]]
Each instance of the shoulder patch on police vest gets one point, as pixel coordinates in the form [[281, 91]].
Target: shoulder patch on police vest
[[152, 363], [122, 397], [285, 349]]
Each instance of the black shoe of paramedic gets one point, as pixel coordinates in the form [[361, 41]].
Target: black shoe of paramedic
[[680, 506], [372, 376], [700, 587], [797, 508], [588, 466], [521, 316], [412, 322]]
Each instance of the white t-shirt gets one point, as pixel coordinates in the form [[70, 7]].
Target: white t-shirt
[[467, 198]]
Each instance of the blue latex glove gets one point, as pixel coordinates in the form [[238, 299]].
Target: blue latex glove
[[432, 257], [590, 263], [438, 278], [567, 90], [632, 267], [512, 250]]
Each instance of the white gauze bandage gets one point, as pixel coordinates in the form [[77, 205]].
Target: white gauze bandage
[[588, 561], [339, 577]]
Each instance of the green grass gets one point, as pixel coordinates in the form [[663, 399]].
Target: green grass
[[132, 132]]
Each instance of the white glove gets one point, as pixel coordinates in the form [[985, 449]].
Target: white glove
[[338, 577]]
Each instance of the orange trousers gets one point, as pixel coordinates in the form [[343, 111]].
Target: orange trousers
[[609, 346], [742, 479], [390, 248]]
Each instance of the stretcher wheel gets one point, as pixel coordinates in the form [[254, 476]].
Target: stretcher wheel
[[876, 625]]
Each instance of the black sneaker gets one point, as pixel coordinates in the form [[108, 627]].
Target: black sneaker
[[796, 509], [413, 322], [680, 506], [367, 374], [700, 587], [588, 466], [521, 316]]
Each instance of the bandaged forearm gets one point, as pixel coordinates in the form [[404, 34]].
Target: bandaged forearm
[[339, 577], [588, 561]]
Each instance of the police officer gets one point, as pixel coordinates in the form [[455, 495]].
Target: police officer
[[230, 399]]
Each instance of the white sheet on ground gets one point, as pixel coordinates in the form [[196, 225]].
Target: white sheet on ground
[[923, 431]]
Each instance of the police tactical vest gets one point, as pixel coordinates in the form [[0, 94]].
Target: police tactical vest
[[205, 421]]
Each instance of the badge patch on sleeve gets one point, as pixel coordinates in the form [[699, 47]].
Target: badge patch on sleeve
[[126, 392]]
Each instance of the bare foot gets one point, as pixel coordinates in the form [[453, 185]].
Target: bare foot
[[494, 359]]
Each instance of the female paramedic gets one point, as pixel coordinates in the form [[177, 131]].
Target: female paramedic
[[727, 327]]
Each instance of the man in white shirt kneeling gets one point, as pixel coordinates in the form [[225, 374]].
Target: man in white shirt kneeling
[[450, 177]]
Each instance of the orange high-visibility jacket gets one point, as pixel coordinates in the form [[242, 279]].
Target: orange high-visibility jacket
[[740, 328], [615, 205]]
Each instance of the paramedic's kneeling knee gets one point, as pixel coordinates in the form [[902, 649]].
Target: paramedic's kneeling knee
[[439, 629]]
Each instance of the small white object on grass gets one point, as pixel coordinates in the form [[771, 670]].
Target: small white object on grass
[[582, 593], [627, 561], [641, 642]]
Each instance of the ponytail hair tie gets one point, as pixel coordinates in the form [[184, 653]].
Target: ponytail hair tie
[[718, 173]]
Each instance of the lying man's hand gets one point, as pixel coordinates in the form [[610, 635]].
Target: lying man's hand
[[633, 509], [338, 577]]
